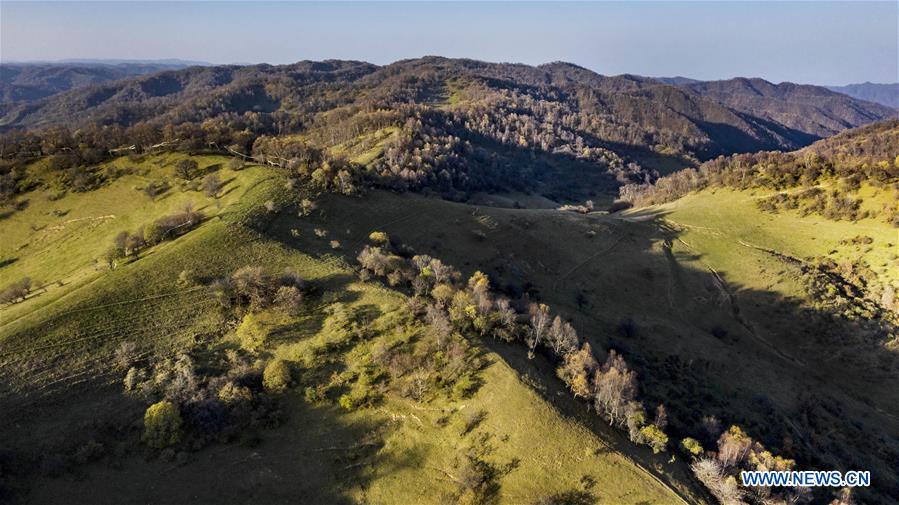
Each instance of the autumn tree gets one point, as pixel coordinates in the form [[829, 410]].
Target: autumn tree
[[505, 320], [479, 285], [733, 446], [577, 369]]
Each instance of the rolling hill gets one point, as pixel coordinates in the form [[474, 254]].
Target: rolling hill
[[71, 432], [336, 282]]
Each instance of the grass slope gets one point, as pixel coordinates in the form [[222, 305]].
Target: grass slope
[[715, 327], [61, 385]]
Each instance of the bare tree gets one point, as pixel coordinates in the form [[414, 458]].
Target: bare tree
[[712, 475], [186, 169], [616, 386], [661, 420], [540, 326], [442, 272], [212, 184], [562, 337]]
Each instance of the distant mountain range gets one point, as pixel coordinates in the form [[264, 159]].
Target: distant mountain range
[[692, 119], [884, 94], [24, 82]]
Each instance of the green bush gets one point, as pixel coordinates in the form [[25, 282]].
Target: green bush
[[464, 387], [347, 401], [691, 446], [379, 238], [276, 376], [654, 438], [162, 425], [251, 332]]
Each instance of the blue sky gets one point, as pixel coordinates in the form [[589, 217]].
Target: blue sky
[[814, 42]]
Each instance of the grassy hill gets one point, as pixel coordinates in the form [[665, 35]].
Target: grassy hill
[[70, 433], [708, 295]]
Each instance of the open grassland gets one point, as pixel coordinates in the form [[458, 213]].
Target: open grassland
[[715, 326], [725, 224], [62, 385], [59, 242]]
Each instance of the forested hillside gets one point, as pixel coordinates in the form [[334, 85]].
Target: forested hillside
[[453, 125], [824, 178]]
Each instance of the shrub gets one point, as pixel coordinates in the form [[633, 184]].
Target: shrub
[[234, 394], [16, 291], [654, 438], [154, 189], [290, 298], [162, 425], [186, 279], [347, 401], [464, 387], [90, 451], [251, 332], [126, 354], [691, 446], [253, 286], [134, 378], [171, 226], [307, 207], [276, 376], [379, 238], [472, 420]]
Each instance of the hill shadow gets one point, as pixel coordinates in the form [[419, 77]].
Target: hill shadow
[[316, 456]]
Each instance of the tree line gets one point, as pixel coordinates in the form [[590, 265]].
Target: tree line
[[451, 304], [868, 155]]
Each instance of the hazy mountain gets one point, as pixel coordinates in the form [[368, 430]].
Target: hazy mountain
[[813, 110], [884, 94], [676, 80], [23, 82]]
